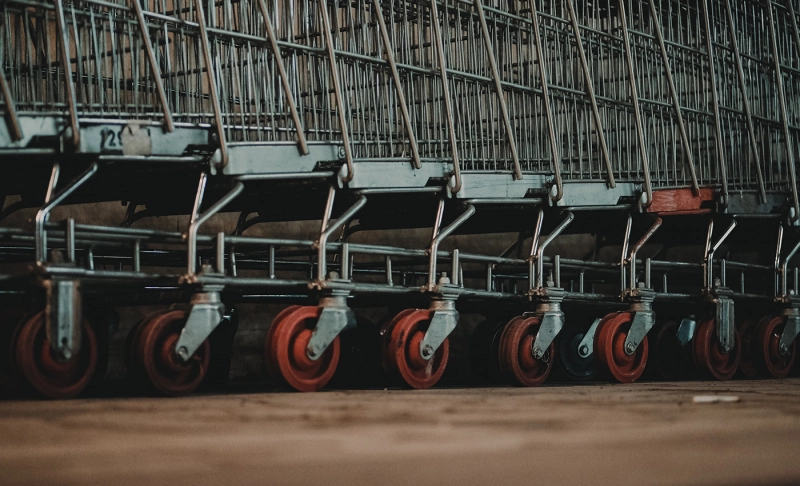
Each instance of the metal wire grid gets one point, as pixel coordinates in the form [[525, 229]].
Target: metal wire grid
[[508, 91]]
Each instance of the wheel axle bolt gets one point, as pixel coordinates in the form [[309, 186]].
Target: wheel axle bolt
[[584, 350], [538, 353], [313, 350], [630, 347], [427, 351], [183, 352], [784, 348]]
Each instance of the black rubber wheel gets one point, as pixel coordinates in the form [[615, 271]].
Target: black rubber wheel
[[569, 362], [483, 352]]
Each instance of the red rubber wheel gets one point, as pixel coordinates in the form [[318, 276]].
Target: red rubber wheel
[[386, 331], [612, 360], [10, 319], [767, 356], [402, 354], [40, 368], [287, 345], [708, 355], [747, 331], [155, 357], [671, 360], [269, 352], [516, 353]]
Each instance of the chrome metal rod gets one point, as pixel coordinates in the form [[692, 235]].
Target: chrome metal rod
[[57, 198], [501, 98], [446, 96], [790, 147], [194, 226], [337, 92], [444, 233], [66, 60], [745, 101], [398, 84], [14, 128], [213, 92], [276, 51], [322, 243], [169, 125]]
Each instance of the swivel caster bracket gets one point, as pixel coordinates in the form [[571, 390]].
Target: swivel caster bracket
[[335, 317], [548, 307], [63, 314], [444, 320], [686, 330], [207, 312], [720, 297], [790, 330], [643, 321], [586, 346], [643, 316]]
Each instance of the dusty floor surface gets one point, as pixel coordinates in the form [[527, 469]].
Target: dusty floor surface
[[649, 433]]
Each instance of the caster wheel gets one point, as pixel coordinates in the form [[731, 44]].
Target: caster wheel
[[155, 359], [708, 355], [747, 329], [9, 320], [767, 357], [286, 354], [47, 375], [483, 346], [360, 359], [569, 361], [671, 360], [402, 357], [609, 349], [516, 353]]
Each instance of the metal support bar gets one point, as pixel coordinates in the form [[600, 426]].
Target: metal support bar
[[487, 42], [200, 219], [708, 258], [53, 199], [554, 152], [72, 100], [539, 258], [675, 101], [437, 239], [631, 259], [169, 126], [785, 269], [745, 101], [723, 167], [329, 229], [601, 135], [784, 116], [137, 256], [451, 125], [337, 92], [220, 259], [398, 85], [70, 240], [11, 110], [302, 145], [635, 98], [212, 83]]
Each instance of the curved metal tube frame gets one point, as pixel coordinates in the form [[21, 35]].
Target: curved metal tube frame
[[51, 201]]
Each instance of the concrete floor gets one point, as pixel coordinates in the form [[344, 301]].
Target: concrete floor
[[588, 434]]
